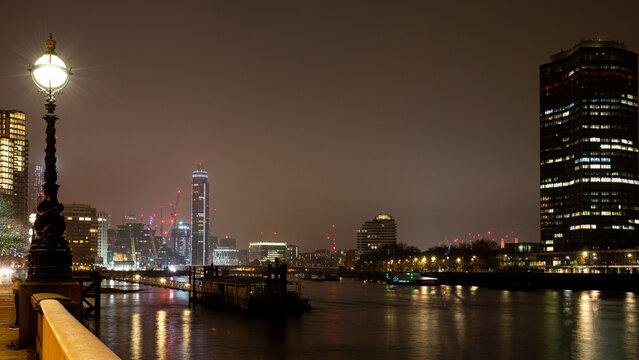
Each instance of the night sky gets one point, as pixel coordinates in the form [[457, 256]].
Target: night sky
[[304, 113]]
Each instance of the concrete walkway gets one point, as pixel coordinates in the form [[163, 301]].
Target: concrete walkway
[[8, 337]]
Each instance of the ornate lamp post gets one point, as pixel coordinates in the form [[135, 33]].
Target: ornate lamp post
[[49, 259], [49, 256]]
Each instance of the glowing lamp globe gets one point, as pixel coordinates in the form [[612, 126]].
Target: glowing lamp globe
[[49, 72]]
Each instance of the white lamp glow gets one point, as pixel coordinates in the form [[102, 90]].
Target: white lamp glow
[[49, 72]]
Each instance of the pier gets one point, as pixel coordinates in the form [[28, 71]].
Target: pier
[[254, 289], [162, 282]]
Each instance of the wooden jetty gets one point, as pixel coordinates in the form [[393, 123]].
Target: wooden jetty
[[257, 293]]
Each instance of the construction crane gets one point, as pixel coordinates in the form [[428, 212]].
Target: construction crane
[[173, 215], [331, 239]]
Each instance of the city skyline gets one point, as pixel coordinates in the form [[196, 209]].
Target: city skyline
[[311, 114]]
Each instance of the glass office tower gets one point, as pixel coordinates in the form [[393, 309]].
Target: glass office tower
[[589, 169]]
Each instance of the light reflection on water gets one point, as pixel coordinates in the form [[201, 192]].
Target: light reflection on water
[[631, 335], [160, 335], [136, 337], [353, 320], [186, 334]]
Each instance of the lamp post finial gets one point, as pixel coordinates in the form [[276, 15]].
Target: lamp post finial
[[50, 44]]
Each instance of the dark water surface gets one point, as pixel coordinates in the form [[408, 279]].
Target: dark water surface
[[355, 320]]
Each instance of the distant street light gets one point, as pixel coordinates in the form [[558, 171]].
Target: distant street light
[[49, 256]]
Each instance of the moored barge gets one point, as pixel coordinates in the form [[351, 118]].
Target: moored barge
[[270, 293]]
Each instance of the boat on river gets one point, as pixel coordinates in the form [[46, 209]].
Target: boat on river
[[410, 279]]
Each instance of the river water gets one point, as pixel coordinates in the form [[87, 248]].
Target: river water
[[355, 320]]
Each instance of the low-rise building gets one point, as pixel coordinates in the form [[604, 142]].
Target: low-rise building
[[267, 251], [226, 256]]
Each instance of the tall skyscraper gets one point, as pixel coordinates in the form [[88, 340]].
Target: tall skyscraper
[[200, 216], [376, 234], [104, 223], [36, 179], [82, 234], [589, 169], [14, 162]]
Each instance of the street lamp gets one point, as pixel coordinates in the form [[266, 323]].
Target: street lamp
[[49, 256]]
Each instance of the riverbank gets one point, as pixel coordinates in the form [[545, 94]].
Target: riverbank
[[533, 280], [529, 280]]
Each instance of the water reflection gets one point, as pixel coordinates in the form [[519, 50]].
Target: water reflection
[[186, 334], [631, 335], [505, 323], [160, 335], [584, 331], [136, 337], [351, 320]]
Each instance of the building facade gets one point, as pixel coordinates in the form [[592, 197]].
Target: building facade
[[137, 244], [267, 251], [228, 242], [376, 234], [292, 254], [82, 234], [36, 179], [14, 162], [181, 239], [200, 216], [589, 164], [225, 256], [104, 223]]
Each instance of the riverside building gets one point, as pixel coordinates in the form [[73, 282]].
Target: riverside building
[[376, 234], [267, 251], [589, 163]]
